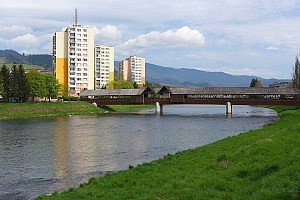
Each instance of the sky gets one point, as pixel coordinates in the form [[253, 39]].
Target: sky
[[240, 37]]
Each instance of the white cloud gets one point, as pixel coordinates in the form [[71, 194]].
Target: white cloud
[[108, 32], [28, 40], [15, 30], [265, 73], [281, 32], [182, 37], [230, 26], [272, 48]]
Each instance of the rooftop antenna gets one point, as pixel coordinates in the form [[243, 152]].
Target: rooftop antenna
[[76, 17], [132, 53]]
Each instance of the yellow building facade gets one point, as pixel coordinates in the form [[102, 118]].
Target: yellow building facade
[[73, 57], [60, 45]]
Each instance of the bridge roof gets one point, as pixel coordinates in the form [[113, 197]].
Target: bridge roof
[[116, 92], [191, 91], [234, 90]]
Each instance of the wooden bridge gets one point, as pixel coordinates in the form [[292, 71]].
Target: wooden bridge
[[210, 95]]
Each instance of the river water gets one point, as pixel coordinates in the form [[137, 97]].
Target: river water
[[43, 155]]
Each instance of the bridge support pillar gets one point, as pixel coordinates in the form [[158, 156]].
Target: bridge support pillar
[[158, 108], [228, 108]]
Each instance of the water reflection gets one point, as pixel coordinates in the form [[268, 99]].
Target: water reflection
[[61, 152]]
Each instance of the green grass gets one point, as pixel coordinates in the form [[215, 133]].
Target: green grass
[[45, 109], [260, 164], [53, 109], [130, 108]]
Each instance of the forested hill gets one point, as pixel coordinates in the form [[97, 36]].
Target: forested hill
[[198, 78], [11, 56], [154, 73]]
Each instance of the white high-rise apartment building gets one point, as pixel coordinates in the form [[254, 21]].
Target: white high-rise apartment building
[[104, 66], [73, 52], [133, 69]]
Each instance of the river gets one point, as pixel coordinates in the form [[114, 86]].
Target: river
[[40, 156]]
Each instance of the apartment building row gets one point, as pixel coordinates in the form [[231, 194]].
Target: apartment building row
[[79, 64]]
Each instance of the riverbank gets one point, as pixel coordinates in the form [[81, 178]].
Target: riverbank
[[260, 164], [54, 109]]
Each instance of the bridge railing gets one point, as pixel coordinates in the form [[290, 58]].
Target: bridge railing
[[243, 96]]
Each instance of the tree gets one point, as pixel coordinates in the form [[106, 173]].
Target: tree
[[1, 86], [255, 83], [64, 90], [36, 84], [135, 85], [23, 85], [14, 84], [52, 86], [152, 85], [296, 74], [120, 84], [5, 83]]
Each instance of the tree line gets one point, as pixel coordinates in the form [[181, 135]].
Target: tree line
[[18, 86]]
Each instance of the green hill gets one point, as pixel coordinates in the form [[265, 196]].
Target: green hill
[[40, 61], [198, 78]]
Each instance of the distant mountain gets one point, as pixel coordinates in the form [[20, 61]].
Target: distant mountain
[[197, 78], [155, 73], [11, 56]]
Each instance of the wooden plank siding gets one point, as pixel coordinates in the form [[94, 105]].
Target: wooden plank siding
[[167, 95]]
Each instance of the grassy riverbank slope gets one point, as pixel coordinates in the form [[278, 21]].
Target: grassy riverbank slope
[[260, 164], [53, 109]]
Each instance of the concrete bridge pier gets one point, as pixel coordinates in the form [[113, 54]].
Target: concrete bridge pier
[[158, 108], [228, 108]]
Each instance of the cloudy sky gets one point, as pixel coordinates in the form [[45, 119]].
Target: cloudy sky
[[249, 37]]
